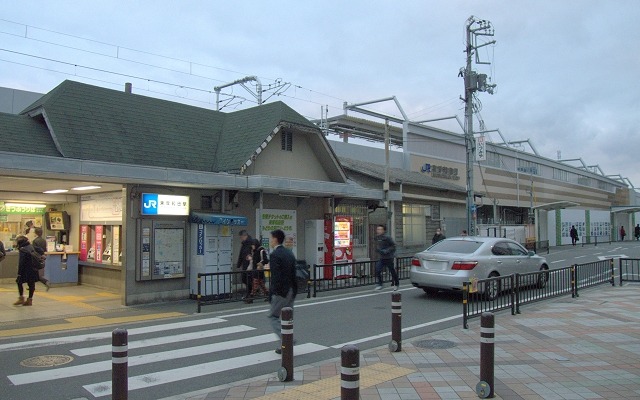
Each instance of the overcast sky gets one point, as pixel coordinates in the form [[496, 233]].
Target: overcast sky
[[568, 72]]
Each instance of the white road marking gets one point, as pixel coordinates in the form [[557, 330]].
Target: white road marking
[[559, 261], [193, 371], [107, 335], [165, 340], [611, 256], [90, 368], [388, 334]]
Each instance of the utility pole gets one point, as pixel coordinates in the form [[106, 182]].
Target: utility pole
[[473, 82]]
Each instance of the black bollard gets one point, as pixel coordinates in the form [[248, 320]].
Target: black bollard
[[286, 320], [120, 365], [487, 346], [396, 322], [350, 373]]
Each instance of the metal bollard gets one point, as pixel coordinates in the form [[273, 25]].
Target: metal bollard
[[285, 374], [396, 322], [120, 364], [350, 373], [484, 389]]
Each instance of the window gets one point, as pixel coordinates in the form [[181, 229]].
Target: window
[[528, 167], [287, 141], [493, 160], [517, 250], [414, 224], [560, 175], [583, 180]]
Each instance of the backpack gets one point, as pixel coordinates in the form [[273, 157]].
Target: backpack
[[37, 260]]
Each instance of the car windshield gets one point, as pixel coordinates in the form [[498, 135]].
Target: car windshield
[[455, 246]]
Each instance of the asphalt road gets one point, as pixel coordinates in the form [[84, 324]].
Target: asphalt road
[[200, 351]]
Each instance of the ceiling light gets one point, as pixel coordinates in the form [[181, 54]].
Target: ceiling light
[[25, 205], [56, 191], [86, 187]]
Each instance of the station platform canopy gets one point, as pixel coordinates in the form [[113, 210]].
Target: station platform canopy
[[625, 209], [557, 205]]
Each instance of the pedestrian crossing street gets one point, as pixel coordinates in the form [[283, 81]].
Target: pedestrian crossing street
[[158, 355]]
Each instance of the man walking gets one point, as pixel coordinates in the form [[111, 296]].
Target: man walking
[[283, 286], [386, 247], [244, 260]]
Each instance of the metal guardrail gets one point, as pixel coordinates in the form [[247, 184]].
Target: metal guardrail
[[538, 246], [629, 269], [594, 240], [225, 287], [512, 291], [328, 277]]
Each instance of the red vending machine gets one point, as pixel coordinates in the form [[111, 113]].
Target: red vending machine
[[343, 245]]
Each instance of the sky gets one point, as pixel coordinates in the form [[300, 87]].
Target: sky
[[567, 71]]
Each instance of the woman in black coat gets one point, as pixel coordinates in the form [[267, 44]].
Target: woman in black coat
[[26, 273]]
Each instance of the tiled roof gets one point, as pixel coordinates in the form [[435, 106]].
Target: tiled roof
[[95, 123], [396, 174], [239, 137], [21, 134]]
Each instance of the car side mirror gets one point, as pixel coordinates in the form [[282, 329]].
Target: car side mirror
[[531, 253]]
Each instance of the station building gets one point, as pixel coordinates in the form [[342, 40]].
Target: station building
[[138, 194]]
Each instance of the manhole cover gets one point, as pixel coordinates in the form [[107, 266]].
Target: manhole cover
[[46, 361], [435, 344]]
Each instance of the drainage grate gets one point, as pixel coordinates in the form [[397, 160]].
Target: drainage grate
[[435, 344]]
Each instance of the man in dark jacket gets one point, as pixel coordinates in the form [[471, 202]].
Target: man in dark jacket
[[386, 248], [243, 259], [40, 246], [438, 236], [283, 288]]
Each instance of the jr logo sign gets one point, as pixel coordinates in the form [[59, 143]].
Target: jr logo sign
[[149, 203]]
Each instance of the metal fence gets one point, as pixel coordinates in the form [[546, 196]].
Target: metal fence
[[594, 240], [225, 287], [512, 291], [629, 270], [328, 277]]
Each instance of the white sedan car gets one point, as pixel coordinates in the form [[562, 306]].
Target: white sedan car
[[449, 263]]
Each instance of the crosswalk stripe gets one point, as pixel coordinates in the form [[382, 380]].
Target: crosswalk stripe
[[193, 371], [107, 335], [100, 366], [165, 340]]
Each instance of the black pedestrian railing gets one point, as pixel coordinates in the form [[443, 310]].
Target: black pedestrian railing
[[512, 291], [225, 287], [594, 240], [629, 270], [537, 246], [327, 277]]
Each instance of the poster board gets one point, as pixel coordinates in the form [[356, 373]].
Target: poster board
[[161, 250]]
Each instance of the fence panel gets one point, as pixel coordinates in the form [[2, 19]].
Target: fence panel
[[594, 273], [487, 295], [629, 269], [536, 286], [225, 287], [328, 277]]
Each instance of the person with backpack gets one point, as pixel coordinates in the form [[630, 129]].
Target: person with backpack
[[27, 270], [40, 246], [258, 261]]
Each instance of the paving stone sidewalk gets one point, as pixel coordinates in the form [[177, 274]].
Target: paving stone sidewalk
[[564, 348]]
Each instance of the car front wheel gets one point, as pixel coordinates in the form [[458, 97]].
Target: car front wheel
[[543, 276], [492, 287]]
